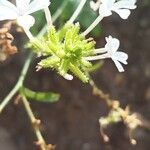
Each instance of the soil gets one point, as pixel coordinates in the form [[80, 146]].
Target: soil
[[72, 123]]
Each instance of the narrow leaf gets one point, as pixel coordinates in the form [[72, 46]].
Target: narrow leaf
[[40, 96]]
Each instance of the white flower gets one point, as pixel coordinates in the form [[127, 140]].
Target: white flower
[[110, 51], [121, 7], [21, 11], [118, 57]]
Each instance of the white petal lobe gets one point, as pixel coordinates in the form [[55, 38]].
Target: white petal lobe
[[26, 21], [22, 5], [5, 13], [7, 4], [123, 13], [119, 66], [121, 7]]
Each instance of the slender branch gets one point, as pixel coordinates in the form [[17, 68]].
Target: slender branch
[[54, 17], [100, 93], [18, 84], [35, 123], [77, 11], [131, 120], [48, 16]]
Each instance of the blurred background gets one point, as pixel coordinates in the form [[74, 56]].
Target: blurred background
[[72, 123]]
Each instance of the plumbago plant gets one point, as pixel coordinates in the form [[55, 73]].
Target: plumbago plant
[[70, 52]]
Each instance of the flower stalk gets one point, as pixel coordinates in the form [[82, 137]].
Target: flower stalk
[[48, 16], [77, 11], [28, 33], [93, 25], [54, 17]]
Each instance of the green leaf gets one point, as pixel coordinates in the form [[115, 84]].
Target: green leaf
[[40, 96]]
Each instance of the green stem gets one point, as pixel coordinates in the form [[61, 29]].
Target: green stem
[[54, 17], [18, 84]]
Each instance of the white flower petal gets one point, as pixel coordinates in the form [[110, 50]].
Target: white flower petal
[[7, 10], [128, 4], [122, 7], [118, 65], [108, 2], [123, 13], [26, 21], [36, 5], [7, 4], [104, 11], [7, 14], [106, 7], [19, 2], [22, 5], [121, 57], [112, 44]]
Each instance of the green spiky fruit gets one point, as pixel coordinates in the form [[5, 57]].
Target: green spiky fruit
[[65, 50]]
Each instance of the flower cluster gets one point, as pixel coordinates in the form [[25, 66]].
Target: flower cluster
[[67, 50], [106, 7]]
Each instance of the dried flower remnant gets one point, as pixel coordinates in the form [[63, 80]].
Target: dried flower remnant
[[6, 47], [117, 114]]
